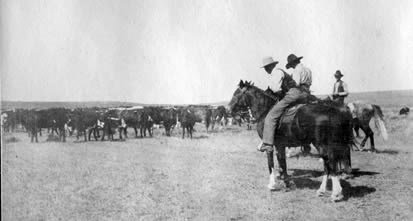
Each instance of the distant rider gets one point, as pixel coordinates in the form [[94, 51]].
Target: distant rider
[[340, 90]]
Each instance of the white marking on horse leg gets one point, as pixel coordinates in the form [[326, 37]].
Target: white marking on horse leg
[[271, 184], [337, 194], [323, 186], [259, 145]]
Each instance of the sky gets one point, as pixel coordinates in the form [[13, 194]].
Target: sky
[[184, 51]]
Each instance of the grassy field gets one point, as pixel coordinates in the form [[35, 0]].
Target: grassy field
[[215, 176]]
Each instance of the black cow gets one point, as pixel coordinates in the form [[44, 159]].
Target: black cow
[[188, 120], [169, 118], [85, 122]]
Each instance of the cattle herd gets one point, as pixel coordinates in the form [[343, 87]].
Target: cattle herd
[[98, 123]]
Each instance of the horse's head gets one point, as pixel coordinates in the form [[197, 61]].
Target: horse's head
[[241, 99]]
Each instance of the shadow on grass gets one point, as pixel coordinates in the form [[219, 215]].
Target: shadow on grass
[[302, 178], [306, 183], [200, 137], [357, 173], [355, 191], [390, 152], [306, 173]]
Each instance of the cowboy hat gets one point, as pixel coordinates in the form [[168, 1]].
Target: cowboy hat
[[291, 60], [267, 61], [338, 74]]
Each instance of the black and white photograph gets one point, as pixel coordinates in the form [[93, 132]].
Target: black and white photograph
[[206, 110]]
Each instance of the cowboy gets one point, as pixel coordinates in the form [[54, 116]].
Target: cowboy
[[295, 95], [273, 77], [340, 90]]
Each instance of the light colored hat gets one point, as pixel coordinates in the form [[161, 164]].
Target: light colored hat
[[267, 61]]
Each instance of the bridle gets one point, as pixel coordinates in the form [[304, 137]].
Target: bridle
[[248, 106]]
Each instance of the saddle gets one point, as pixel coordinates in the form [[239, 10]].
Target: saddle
[[288, 125]]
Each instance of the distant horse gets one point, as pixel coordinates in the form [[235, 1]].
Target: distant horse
[[326, 127], [362, 114], [188, 120], [219, 115], [243, 116]]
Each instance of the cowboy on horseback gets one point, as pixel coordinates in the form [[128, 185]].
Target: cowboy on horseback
[[340, 90], [298, 94]]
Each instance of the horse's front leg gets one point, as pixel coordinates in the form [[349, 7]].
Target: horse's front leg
[[272, 185], [276, 181], [282, 162]]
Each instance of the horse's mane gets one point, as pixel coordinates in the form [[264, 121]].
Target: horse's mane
[[249, 85], [267, 100]]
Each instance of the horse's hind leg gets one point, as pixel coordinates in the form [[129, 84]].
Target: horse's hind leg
[[322, 190], [282, 163], [369, 134], [356, 124]]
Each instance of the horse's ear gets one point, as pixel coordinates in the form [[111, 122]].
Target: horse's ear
[[241, 84], [252, 84]]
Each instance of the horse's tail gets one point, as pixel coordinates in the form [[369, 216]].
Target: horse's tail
[[379, 120]]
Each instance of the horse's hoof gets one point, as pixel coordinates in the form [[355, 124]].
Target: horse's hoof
[[276, 186], [321, 193], [337, 198]]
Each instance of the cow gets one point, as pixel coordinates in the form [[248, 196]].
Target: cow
[[169, 119], [188, 120], [86, 121]]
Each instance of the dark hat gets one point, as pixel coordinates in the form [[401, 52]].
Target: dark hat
[[291, 60], [338, 74]]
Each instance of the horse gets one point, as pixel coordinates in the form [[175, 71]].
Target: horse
[[326, 127], [362, 113], [188, 120]]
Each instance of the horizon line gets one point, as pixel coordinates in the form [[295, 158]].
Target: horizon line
[[201, 103]]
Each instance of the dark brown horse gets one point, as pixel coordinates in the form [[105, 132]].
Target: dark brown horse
[[328, 128]]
